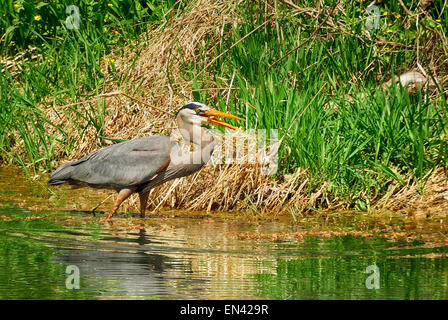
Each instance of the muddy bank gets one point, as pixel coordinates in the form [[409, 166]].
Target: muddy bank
[[407, 210]]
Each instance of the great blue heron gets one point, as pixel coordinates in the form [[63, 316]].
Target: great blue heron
[[137, 166]]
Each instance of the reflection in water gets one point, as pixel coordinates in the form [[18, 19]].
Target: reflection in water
[[194, 262], [202, 261], [185, 257], [124, 274], [199, 261]]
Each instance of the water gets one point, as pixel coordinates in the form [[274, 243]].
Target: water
[[175, 255]]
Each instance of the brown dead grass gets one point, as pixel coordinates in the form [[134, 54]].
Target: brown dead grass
[[430, 199], [156, 80]]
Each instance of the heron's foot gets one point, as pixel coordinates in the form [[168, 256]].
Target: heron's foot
[[109, 216], [108, 220]]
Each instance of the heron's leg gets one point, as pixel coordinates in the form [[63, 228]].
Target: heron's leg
[[123, 194], [143, 202]]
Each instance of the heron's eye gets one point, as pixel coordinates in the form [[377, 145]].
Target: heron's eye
[[198, 110]]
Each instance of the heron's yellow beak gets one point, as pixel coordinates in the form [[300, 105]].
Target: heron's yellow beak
[[212, 113]]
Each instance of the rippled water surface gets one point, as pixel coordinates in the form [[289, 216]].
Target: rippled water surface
[[175, 255]]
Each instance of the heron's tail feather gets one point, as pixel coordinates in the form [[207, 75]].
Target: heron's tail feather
[[54, 182], [61, 175]]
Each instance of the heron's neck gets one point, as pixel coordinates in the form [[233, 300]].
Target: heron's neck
[[206, 147], [201, 137], [206, 144]]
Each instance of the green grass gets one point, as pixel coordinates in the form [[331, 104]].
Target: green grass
[[380, 137], [57, 66]]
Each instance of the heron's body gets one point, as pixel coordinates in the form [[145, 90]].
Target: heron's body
[[123, 165], [137, 166]]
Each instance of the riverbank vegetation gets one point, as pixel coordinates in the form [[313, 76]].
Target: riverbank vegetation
[[351, 138]]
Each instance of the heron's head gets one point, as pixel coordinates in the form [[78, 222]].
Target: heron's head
[[196, 113]]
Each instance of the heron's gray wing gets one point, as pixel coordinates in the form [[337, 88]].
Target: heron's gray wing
[[121, 165], [136, 167]]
